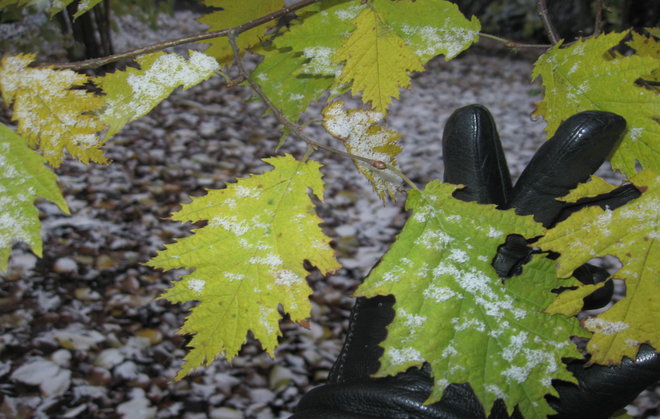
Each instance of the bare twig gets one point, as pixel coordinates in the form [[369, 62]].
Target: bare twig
[[547, 22], [513, 44], [98, 62], [598, 24], [296, 130]]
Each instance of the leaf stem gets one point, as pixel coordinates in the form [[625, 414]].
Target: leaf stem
[[513, 44], [101, 61]]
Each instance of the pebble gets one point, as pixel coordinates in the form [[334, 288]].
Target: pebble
[[65, 265]]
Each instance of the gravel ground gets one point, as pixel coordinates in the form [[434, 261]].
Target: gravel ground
[[82, 331]]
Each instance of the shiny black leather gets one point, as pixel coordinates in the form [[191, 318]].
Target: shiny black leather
[[473, 157]]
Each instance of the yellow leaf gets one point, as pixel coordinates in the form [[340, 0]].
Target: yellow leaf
[[569, 303], [587, 76], [52, 112], [133, 93], [248, 260], [595, 186], [632, 234], [377, 60]]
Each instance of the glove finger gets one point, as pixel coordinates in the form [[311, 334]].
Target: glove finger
[[611, 200], [604, 390], [473, 156], [591, 274], [580, 145], [360, 354]]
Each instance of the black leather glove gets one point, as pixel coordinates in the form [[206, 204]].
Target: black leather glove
[[473, 157]]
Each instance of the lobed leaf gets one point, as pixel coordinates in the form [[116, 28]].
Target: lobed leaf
[[631, 233], [23, 178], [588, 76], [362, 137], [377, 60], [453, 311], [52, 111], [248, 259], [133, 93]]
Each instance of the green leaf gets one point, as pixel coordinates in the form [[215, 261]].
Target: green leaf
[[313, 44], [431, 27], [323, 29], [587, 76], [236, 13], [290, 93], [249, 259], [632, 234], [52, 111], [377, 60], [361, 135], [298, 69], [570, 302], [134, 92], [23, 177], [453, 311]]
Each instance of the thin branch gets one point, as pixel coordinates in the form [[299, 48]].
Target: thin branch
[[295, 129], [98, 62], [513, 44], [598, 24], [545, 17]]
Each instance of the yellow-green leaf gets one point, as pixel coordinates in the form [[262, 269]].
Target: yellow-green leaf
[[595, 186], [432, 27], [454, 312], [570, 302], [235, 13], [248, 259], [648, 47], [23, 178], [52, 111], [361, 135], [632, 234], [587, 76], [377, 60], [134, 92]]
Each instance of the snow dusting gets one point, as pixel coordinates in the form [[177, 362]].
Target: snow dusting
[[605, 327], [320, 61], [196, 285], [287, 277], [271, 260], [404, 356], [439, 294], [411, 320]]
